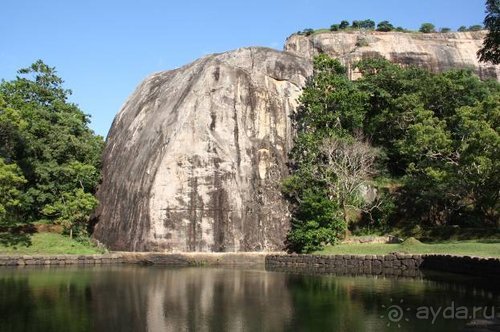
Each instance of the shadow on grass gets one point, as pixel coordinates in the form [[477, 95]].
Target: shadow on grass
[[16, 236], [450, 233], [489, 241]]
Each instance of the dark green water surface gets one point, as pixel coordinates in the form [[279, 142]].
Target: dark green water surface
[[136, 298]]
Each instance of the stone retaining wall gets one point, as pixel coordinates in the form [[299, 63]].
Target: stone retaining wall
[[168, 259], [405, 265], [392, 264], [487, 267], [23, 260]]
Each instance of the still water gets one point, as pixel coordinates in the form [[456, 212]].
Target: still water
[[136, 298]]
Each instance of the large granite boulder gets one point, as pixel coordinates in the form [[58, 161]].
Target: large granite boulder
[[194, 160], [434, 51]]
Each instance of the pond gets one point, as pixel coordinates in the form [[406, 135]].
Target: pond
[[140, 298]]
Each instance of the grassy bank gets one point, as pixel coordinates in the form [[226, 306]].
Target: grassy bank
[[50, 244], [484, 248]]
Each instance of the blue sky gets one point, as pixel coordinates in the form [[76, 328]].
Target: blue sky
[[103, 49]]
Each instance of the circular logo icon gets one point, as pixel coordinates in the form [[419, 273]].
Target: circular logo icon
[[395, 313]]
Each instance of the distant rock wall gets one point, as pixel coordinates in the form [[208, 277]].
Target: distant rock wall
[[194, 160], [434, 51]]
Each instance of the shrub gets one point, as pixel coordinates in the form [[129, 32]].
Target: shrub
[[476, 27], [361, 42], [385, 26], [343, 25], [365, 24], [334, 27], [427, 28], [308, 32]]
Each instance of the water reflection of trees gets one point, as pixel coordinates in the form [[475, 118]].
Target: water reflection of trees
[[33, 300], [344, 303]]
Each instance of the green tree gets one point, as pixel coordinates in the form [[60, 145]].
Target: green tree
[[315, 221], [12, 126], [367, 24], [462, 28], [364, 24], [490, 52], [308, 32], [427, 28], [385, 26], [331, 106], [11, 183], [477, 173], [334, 27], [419, 120], [476, 27], [434, 137], [343, 25], [444, 30], [48, 138], [345, 166], [72, 211]]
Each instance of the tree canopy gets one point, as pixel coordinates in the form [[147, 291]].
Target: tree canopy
[[427, 28], [385, 26], [426, 143], [48, 154], [490, 52]]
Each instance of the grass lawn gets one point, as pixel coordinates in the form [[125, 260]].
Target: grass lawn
[[483, 248], [51, 244]]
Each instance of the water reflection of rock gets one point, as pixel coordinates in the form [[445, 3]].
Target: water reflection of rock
[[194, 299]]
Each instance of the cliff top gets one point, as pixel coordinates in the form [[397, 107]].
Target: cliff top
[[434, 51]]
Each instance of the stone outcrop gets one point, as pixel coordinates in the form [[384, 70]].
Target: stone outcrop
[[434, 51], [194, 160]]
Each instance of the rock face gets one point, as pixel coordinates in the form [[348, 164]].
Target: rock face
[[434, 51], [194, 160]]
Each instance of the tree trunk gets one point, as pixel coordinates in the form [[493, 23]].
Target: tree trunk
[[346, 220]]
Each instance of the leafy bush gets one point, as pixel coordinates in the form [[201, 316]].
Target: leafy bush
[[385, 26], [364, 24], [344, 25], [476, 27], [334, 27], [308, 32], [427, 28]]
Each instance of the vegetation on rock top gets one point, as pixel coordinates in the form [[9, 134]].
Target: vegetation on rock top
[[386, 26]]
